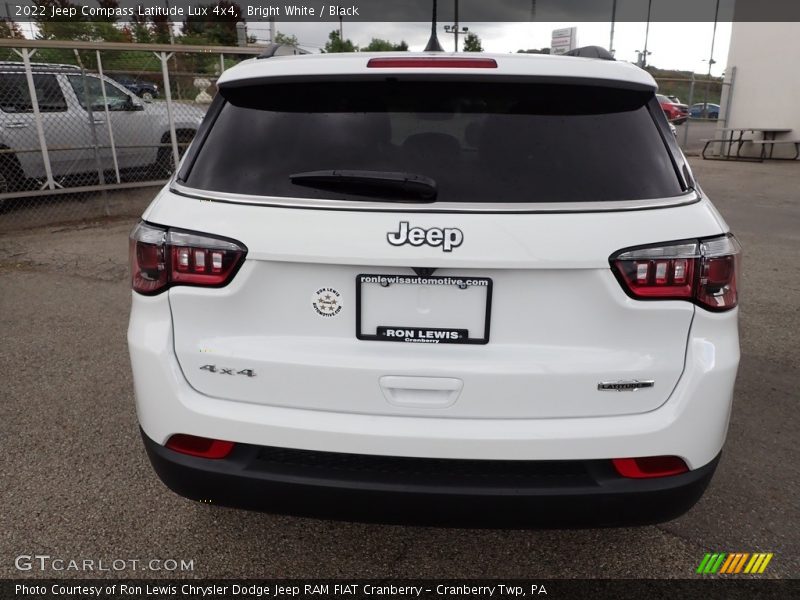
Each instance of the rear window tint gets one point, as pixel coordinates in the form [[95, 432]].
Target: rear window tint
[[15, 95], [480, 141]]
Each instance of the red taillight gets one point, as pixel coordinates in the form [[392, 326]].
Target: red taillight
[[432, 62], [199, 446], [161, 258], [702, 271], [649, 466]]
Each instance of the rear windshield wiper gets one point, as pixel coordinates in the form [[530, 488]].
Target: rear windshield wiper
[[371, 183]]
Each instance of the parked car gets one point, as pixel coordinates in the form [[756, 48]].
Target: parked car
[[141, 131], [676, 100], [146, 90], [704, 111], [402, 286], [676, 113]]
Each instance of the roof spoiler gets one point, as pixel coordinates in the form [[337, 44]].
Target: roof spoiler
[[274, 49], [591, 52]]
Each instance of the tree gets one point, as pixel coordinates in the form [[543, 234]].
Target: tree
[[10, 29], [87, 29], [140, 28], [105, 28], [379, 45], [198, 29], [80, 28], [160, 27], [534, 51], [336, 44], [472, 43], [286, 40]]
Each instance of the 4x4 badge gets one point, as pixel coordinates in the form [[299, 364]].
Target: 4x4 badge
[[448, 237]]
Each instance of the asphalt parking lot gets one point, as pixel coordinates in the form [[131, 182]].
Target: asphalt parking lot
[[77, 483]]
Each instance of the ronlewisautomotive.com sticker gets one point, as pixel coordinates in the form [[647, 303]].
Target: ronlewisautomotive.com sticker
[[327, 302]]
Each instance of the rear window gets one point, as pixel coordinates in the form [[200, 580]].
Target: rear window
[[479, 141], [15, 95]]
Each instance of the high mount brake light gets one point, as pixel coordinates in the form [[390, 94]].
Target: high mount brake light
[[432, 62], [702, 271], [161, 258]]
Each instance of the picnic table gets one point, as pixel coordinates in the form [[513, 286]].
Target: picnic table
[[735, 135]]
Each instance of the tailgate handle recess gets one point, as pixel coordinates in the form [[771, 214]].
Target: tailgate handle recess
[[421, 392]]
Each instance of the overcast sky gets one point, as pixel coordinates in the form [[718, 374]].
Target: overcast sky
[[684, 46]]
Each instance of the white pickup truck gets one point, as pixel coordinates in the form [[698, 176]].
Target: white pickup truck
[[140, 130]]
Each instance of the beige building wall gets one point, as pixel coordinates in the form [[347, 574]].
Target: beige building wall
[[766, 85]]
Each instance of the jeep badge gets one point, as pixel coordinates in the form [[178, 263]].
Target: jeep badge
[[448, 237]]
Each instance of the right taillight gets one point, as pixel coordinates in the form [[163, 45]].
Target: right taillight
[[161, 258], [702, 271]]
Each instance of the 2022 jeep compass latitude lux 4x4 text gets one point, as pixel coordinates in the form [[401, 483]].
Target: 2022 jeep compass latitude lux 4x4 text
[[432, 287]]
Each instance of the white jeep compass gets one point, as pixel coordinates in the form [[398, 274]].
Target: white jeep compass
[[436, 288]]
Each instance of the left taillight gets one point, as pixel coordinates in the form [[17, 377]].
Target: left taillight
[[161, 258], [702, 271]]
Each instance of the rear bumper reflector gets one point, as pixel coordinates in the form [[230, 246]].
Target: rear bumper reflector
[[201, 447], [649, 467]]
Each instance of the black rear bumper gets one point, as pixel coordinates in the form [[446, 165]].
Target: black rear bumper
[[476, 493]]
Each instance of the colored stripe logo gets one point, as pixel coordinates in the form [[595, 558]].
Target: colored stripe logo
[[734, 563]]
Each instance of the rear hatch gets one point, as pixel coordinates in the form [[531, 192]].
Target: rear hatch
[[490, 297]]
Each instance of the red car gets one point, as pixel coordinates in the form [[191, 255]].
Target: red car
[[676, 113]]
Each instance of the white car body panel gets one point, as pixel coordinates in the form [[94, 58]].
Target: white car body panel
[[567, 326], [539, 65], [692, 424]]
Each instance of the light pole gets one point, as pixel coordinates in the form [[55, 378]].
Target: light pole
[[169, 23], [646, 35], [711, 60], [456, 32], [613, 19], [454, 28]]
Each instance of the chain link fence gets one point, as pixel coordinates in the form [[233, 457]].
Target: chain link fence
[[703, 107], [82, 124]]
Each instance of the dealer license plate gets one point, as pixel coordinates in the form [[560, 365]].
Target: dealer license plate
[[430, 310]]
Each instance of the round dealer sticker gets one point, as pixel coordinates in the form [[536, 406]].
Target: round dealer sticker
[[327, 302]]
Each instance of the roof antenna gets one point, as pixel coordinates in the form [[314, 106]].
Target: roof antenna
[[433, 43]]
